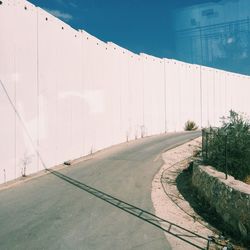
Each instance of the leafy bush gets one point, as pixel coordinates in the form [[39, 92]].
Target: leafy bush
[[230, 143], [190, 126]]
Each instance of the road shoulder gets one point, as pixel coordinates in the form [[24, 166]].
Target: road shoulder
[[168, 203]]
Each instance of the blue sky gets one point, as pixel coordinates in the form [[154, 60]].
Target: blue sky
[[138, 25], [148, 26]]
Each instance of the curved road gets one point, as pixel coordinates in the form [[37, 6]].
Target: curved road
[[50, 213]]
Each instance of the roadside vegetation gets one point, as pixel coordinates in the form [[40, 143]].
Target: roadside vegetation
[[190, 126], [227, 148]]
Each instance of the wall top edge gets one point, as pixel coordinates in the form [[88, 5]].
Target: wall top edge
[[154, 58], [27, 6], [116, 46]]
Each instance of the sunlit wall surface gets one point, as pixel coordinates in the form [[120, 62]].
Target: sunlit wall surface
[[215, 34], [65, 94]]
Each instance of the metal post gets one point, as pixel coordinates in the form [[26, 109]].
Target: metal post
[[206, 141], [226, 155], [202, 143], [208, 242]]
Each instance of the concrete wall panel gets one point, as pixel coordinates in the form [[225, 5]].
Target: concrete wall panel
[[196, 107], [170, 87], [207, 84], [8, 78], [112, 89], [77, 98], [171, 84], [154, 89], [26, 90], [48, 81], [136, 96]]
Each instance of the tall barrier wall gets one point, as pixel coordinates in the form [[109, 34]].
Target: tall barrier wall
[[65, 94]]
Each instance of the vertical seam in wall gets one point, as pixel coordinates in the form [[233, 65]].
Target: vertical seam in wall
[[201, 48], [165, 98], [143, 100], [38, 88], [129, 99], [82, 57], [201, 106], [208, 104], [213, 122], [179, 97], [15, 122], [120, 116], [71, 128], [225, 92]]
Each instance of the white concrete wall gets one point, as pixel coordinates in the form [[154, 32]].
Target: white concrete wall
[[65, 94]]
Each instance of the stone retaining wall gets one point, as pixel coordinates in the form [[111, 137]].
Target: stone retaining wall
[[230, 198]]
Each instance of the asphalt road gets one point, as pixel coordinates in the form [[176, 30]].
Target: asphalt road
[[50, 213]]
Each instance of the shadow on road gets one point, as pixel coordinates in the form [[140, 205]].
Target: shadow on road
[[179, 232]]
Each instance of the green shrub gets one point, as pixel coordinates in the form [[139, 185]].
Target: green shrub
[[232, 142], [190, 126]]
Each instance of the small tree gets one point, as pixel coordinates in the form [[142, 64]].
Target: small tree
[[231, 141]]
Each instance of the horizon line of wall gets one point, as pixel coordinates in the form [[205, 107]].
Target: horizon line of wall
[[66, 94]]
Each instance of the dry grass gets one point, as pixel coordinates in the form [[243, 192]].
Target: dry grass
[[247, 180]]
